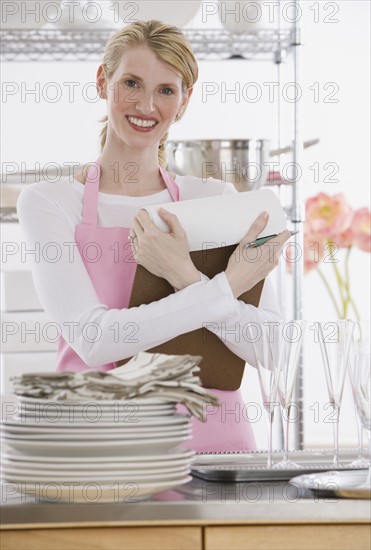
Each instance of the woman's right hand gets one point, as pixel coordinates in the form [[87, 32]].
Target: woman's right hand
[[247, 266]]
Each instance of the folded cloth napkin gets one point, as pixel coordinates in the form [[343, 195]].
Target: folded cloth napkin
[[169, 378]]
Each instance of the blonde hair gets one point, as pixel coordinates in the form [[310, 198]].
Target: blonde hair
[[170, 46]]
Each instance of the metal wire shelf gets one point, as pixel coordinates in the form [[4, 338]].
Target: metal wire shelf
[[88, 45]]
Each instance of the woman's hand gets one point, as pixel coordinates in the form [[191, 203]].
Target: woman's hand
[[163, 254], [248, 266]]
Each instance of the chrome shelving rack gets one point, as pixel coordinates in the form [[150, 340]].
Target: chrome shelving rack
[[51, 45], [88, 45]]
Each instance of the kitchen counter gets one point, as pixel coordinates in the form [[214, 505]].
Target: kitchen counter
[[200, 514]]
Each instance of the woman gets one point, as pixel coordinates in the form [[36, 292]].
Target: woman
[[147, 80]]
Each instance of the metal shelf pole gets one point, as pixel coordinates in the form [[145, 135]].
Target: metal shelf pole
[[281, 268], [297, 215]]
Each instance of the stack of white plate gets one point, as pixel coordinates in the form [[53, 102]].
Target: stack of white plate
[[95, 451]]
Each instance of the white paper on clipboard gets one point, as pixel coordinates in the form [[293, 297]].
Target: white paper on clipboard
[[222, 220]]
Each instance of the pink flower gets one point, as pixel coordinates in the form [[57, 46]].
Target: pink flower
[[361, 229], [332, 220], [328, 216], [313, 252], [345, 239]]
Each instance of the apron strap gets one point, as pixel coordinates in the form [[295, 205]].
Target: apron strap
[[170, 184], [90, 198]]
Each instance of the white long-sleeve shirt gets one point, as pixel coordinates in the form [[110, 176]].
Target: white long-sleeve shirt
[[49, 212]]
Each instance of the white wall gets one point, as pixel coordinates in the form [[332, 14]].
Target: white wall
[[42, 131]]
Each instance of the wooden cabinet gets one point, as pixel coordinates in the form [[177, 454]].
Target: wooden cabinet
[[108, 538], [289, 537], [294, 536]]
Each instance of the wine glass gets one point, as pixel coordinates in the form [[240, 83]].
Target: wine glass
[[362, 381], [360, 461], [359, 373], [335, 340], [361, 333], [290, 344], [264, 338]]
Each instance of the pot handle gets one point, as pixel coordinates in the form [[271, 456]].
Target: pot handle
[[289, 148], [203, 151]]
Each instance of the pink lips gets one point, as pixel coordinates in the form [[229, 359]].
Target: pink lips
[[141, 128]]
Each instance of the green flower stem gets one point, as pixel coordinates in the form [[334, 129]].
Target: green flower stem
[[347, 269], [347, 283], [342, 287], [325, 282], [341, 284]]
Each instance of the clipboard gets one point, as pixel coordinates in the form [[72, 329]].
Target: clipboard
[[220, 368]]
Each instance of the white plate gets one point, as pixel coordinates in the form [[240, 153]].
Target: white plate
[[92, 429], [33, 468], [97, 470], [156, 458], [330, 480], [99, 478], [98, 437], [90, 409], [103, 403], [92, 492], [26, 425], [94, 435], [336, 483], [91, 416], [62, 471], [140, 400], [86, 448], [95, 431]]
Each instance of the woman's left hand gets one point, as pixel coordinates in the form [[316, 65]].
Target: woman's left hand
[[163, 254]]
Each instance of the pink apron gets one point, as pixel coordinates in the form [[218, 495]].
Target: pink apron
[[227, 428]]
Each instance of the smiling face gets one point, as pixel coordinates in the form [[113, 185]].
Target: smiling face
[[144, 95]]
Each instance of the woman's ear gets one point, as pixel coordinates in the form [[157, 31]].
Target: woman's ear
[[184, 103], [101, 82], [187, 97]]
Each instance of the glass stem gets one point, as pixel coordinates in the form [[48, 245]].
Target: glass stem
[[336, 437], [270, 437], [287, 426], [368, 441], [360, 438], [368, 482]]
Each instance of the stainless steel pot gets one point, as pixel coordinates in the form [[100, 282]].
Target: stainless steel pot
[[238, 161], [242, 162]]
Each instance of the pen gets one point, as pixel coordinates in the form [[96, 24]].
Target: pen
[[263, 240]]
